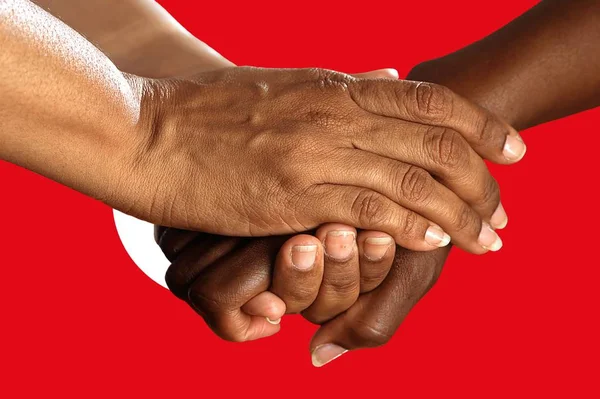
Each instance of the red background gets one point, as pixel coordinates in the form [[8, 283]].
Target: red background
[[79, 318]]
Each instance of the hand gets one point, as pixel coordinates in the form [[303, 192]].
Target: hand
[[319, 276], [231, 295], [313, 138]]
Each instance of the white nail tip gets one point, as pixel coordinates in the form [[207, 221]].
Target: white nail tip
[[445, 241], [274, 321], [304, 248], [495, 246], [379, 240], [320, 363], [341, 233]]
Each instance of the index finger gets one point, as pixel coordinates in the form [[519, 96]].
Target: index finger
[[432, 104]]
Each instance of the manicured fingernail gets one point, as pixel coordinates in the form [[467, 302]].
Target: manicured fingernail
[[339, 244], [437, 237], [303, 256], [376, 247], [499, 219], [276, 321], [514, 148], [326, 353], [488, 238]]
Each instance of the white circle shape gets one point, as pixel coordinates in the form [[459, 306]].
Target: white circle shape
[[137, 237]]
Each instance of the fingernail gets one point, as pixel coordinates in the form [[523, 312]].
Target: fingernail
[[437, 237], [376, 247], [277, 321], [326, 353], [488, 238], [303, 256], [499, 219], [514, 148], [339, 244]]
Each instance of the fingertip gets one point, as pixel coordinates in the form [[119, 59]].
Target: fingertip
[[326, 228], [326, 353], [339, 241], [300, 252], [514, 148], [374, 245], [436, 237]]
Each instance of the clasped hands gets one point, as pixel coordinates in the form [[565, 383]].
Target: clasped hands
[[399, 163]]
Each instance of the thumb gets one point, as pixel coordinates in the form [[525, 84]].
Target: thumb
[[375, 316]]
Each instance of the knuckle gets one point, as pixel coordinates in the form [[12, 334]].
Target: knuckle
[[204, 298], [177, 281], [446, 147], [318, 73], [327, 79], [409, 223], [485, 129], [344, 285], [371, 281], [432, 102], [328, 117], [297, 299], [369, 333], [490, 195], [369, 208], [465, 219], [416, 185]]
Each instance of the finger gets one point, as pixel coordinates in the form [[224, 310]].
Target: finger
[[387, 73], [298, 272], [376, 254], [369, 210], [172, 241], [445, 154], [199, 254], [341, 277], [433, 104], [414, 189], [375, 316], [266, 304], [229, 283]]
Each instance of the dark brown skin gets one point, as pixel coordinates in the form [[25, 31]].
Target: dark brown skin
[[516, 85]]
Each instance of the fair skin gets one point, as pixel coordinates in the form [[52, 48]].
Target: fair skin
[[143, 145]]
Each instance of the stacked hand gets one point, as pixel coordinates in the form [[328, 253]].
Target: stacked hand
[[249, 152], [357, 284], [255, 152]]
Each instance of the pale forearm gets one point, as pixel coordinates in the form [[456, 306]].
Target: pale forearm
[[66, 110], [543, 66], [139, 36]]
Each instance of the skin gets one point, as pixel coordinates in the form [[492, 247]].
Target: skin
[[414, 273], [516, 88], [371, 261], [142, 145]]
